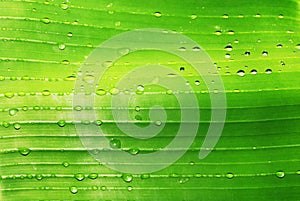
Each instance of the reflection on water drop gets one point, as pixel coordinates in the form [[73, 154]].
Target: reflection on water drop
[[98, 122], [279, 46], [197, 82], [61, 46], [134, 151], [196, 49], [193, 16], [46, 93], [247, 53]]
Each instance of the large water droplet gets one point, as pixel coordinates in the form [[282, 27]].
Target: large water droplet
[[264, 53], [229, 48], [24, 151], [253, 72], [13, 111], [280, 174], [115, 143], [73, 189], [9, 94], [127, 177], [61, 46]]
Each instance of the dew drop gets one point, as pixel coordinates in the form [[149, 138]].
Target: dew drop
[[61, 123], [70, 34], [17, 126], [13, 111], [225, 16], [157, 14], [280, 174], [197, 82], [193, 16], [145, 176], [280, 16], [73, 189], [64, 6], [65, 62], [127, 177], [46, 93], [39, 177], [45, 20], [89, 79], [229, 48], [140, 88], [279, 46], [298, 46], [134, 151], [100, 92], [103, 188], [114, 91], [181, 69], [182, 49], [129, 188], [124, 51], [230, 32], [247, 53], [268, 71], [192, 163], [253, 72], [5, 124], [258, 15], [158, 123], [61, 46], [229, 175], [137, 108], [298, 172], [93, 176], [9, 94], [218, 33], [169, 92], [196, 49], [265, 53], [65, 164], [241, 73], [79, 176], [78, 108], [227, 56], [98, 122], [24, 151], [115, 143]]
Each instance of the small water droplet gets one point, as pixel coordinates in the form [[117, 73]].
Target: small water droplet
[[298, 46], [137, 108], [127, 177], [24, 151], [227, 55], [169, 92], [98, 122], [298, 172], [61, 123], [61, 46], [225, 16], [253, 72], [247, 53], [218, 33], [145, 176], [157, 14], [196, 49], [280, 16], [89, 78], [265, 53], [181, 69], [45, 20], [279, 46], [17, 126], [129, 188], [9, 94], [70, 34], [124, 51], [134, 151], [46, 93], [13, 111], [65, 62], [197, 82], [79, 176], [64, 6], [192, 163], [182, 49], [65, 164], [5, 124], [93, 176], [39, 177], [193, 16], [158, 123], [114, 91], [73, 189], [229, 175], [280, 174], [268, 71], [258, 15], [241, 73], [115, 143], [100, 92], [230, 32], [103, 188], [229, 48], [77, 108]]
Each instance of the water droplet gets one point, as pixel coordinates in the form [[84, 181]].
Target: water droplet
[[137, 108], [225, 16], [197, 82], [45, 20], [258, 15], [253, 72], [13, 111], [36, 108], [103, 188], [127, 177], [100, 92], [196, 49], [61, 123], [229, 175], [183, 180], [218, 33], [181, 69], [279, 46], [230, 32], [182, 49], [17, 126], [280, 174], [107, 64], [192, 163], [241, 73], [145, 176], [265, 53], [193, 16], [89, 79], [169, 92], [157, 14], [93, 176], [79, 176], [124, 51], [115, 143], [9, 94], [70, 34], [78, 108], [227, 55], [134, 151], [247, 53], [73, 189], [24, 151], [158, 123], [61, 46], [46, 93], [140, 89], [5, 124], [298, 172], [129, 188], [39, 177], [65, 164], [98, 122], [229, 48], [65, 62], [94, 188], [280, 16], [114, 91], [64, 6], [268, 71], [298, 46]]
